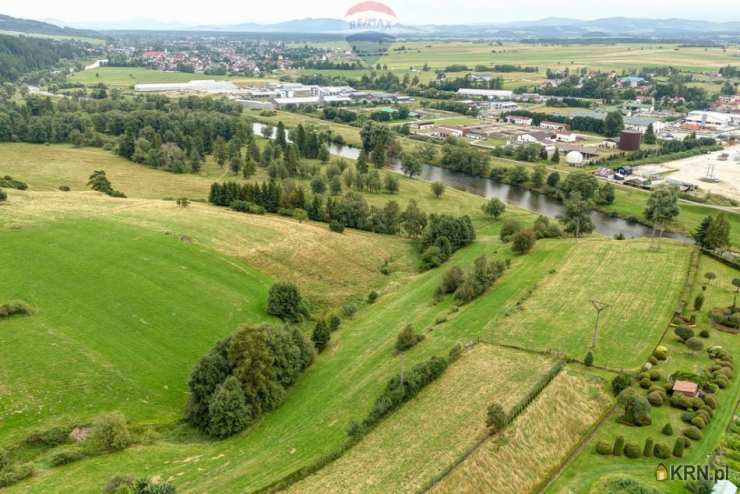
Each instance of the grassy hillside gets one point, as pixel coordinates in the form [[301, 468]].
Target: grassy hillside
[[414, 445], [520, 458], [559, 315], [112, 303]]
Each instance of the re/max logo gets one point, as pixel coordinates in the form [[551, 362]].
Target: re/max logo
[[691, 472]]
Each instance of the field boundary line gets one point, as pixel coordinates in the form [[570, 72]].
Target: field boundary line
[[308, 470], [518, 409], [688, 284], [575, 451]]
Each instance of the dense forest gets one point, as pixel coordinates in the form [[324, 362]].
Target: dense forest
[[19, 55]]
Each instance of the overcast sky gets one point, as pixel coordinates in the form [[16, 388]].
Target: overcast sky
[[408, 11]]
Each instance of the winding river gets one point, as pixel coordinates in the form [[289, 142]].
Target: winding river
[[515, 196]]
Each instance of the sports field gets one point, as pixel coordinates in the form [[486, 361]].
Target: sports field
[[127, 77]]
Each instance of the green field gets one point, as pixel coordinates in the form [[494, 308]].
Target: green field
[[128, 293], [589, 467], [106, 316], [127, 77], [558, 314]]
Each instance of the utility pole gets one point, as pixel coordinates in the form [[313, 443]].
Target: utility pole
[[599, 307]]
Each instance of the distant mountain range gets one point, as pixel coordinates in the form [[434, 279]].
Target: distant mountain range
[[14, 24], [552, 27]]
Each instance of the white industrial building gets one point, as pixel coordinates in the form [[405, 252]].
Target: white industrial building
[[204, 86], [486, 93], [713, 118]]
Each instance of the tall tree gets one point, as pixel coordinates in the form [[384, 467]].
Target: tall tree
[[577, 217], [662, 207]]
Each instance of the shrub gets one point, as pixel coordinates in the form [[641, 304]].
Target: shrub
[[407, 338], [661, 451], [704, 333], [667, 429], [51, 437], [589, 360], [604, 448], [494, 207], [636, 408], [618, 446], [455, 352], [661, 353], [15, 473], [698, 422], [523, 241], [284, 301], [3, 195], [334, 322], [508, 229], [655, 398], [692, 433], [645, 383], [699, 302], [711, 401], [64, 188], [496, 418], [65, 457], [227, 410], [349, 310], [656, 375], [684, 332], [695, 344], [321, 335], [336, 226], [647, 451], [721, 381], [372, 297], [679, 400], [432, 257], [452, 280], [678, 448], [110, 432], [620, 383], [653, 360], [632, 450]]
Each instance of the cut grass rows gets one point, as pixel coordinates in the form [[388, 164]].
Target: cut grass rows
[[521, 457], [416, 443]]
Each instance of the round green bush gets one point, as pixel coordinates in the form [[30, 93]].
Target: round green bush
[[655, 375], [698, 422], [721, 381], [632, 450], [661, 353], [655, 398], [661, 451], [667, 429], [704, 333], [645, 383], [692, 433], [653, 360], [711, 401], [604, 448], [710, 388], [687, 417]]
